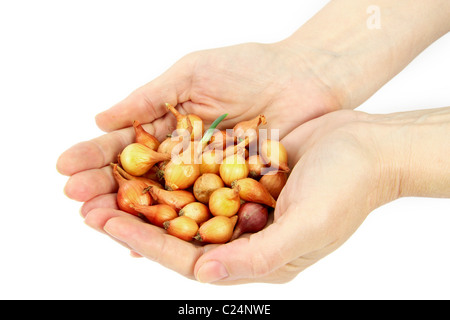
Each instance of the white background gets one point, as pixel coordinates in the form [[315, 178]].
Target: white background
[[62, 62]]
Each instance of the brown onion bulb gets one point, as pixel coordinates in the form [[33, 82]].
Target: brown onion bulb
[[131, 192], [252, 217], [253, 191], [224, 202], [206, 184], [274, 182], [196, 211], [137, 159], [145, 138], [176, 199], [156, 214], [216, 230], [182, 227]]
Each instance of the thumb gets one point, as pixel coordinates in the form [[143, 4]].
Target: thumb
[[147, 103], [255, 258]]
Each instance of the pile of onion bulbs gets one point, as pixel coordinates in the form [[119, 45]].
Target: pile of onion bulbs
[[208, 186]]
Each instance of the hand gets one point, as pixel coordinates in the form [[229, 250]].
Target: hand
[[331, 189], [243, 81], [347, 164], [262, 79]]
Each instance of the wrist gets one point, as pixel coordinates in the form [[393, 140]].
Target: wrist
[[357, 50], [413, 152]]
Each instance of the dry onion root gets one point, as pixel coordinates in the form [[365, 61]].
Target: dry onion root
[[202, 186]]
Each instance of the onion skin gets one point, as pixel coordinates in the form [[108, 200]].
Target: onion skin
[[130, 193], [182, 227], [205, 185], [216, 230], [156, 214], [252, 217], [253, 191], [176, 199], [224, 202]]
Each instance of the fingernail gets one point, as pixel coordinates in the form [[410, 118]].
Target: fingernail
[[211, 271]]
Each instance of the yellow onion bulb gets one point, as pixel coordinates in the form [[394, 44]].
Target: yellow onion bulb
[[275, 154], [180, 175], [224, 202], [233, 168], [137, 159], [217, 230]]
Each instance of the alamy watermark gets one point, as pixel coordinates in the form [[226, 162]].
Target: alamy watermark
[[374, 19], [232, 147]]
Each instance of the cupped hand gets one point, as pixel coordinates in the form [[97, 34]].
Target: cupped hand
[[336, 182], [242, 80]]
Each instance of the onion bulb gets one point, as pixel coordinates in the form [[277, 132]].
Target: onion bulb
[[253, 191], [145, 138], [197, 211], [252, 217], [137, 159], [234, 167], [182, 227], [156, 214], [216, 230], [224, 202], [206, 184], [184, 121], [131, 192], [248, 128], [180, 175], [176, 199], [274, 153], [274, 182]]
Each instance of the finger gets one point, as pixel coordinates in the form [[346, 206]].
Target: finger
[[85, 185], [95, 153], [155, 244], [102, 201], [147, 103], [97, 218], [101, 151]]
